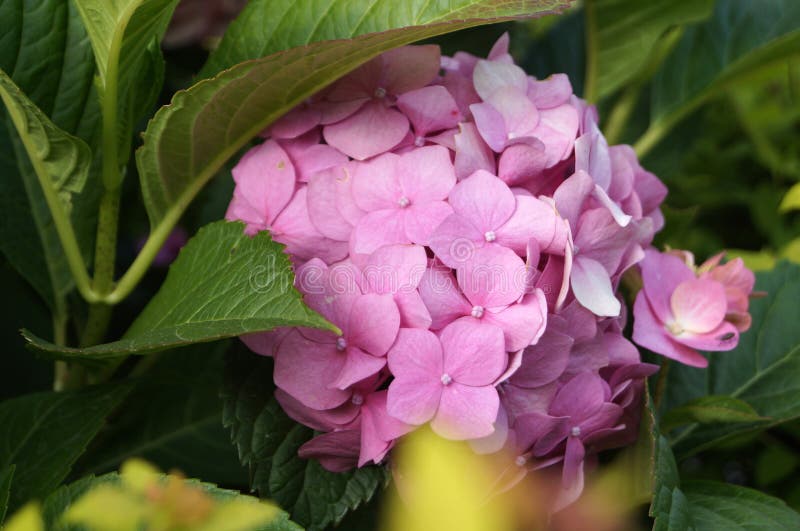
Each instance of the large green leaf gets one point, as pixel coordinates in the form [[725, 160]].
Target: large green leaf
[[716, 505], [60, 164], [624, 32], [740, 37], [268, 441], [44, 434], [125, 35], [44, 49], [188, 141], [223, 284], [710, 410], [173, 418], [268, 26], [763, 370]]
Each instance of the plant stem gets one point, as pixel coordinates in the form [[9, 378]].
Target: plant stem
[[590, 78], [661, 383], [622, 110]]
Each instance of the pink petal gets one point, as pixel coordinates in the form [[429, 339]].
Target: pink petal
[[413, 312], [649, 332], [599, 237], [378, 429], [491, 76], [416, 356], [591, 156], [422, 219], [322, 207], [358, 366], [430, 109], [494, 277], [550, 92], [520, 116], [304, 368], [536, 219], [698, 305], [497, 440], [313, 159], [557, 128], [265, 343], [394, 268], [484, 200], [472, 153], [414, 401], [522, 161], [522, 323], [474, 353], [499, 51], [442, 297], [661, 274], [326, 420], [466, 412], [372, 130], [426, 174], [490, 125], [592, 287], [299, 120], [376, 185], [455, 240], [571, 195], [376, 229], [336, 451], [724, 337], [373, 323], [619, 216]]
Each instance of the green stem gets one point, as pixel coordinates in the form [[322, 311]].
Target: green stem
[[661, 384], [590, 78], [621, 112]]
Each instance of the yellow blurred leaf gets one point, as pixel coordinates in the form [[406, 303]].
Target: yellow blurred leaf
[[791, 201], [445, 487], [139, 475], [108, 508], [754, 260], [239, 514], [792, 251], [29, 518]]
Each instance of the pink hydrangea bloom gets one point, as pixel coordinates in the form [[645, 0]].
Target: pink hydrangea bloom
[[467, 226]]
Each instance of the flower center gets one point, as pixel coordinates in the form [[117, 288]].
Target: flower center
[[489, 236], [419, 141], [403, 202], [477, 312], [512, 136], [357, 399], [576, 431], [341, 344], [674, 328], [520, 460], [575, 249], [380, 92], [446, 379]]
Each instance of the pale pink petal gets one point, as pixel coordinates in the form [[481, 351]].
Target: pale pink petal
[[455, 240], [358, 366], [414, 401], [472, 153], [724, 337], [265, 181], [499, 51], [491, 76], [591, 156], [466, 412], [619, 216], [557, 128], [550, 92], [600, 238], [416, 356], [413, 311], [536, 219], [373, 323], [395, 268], [661, 274], [522, 323], [483, 199], [571, 195], [422, 219], [440, 293], [519, 114], [376, 229], [474, 353], [304, 369], [698, 305], [490, 125], [430, 109], [494, 277], [322, 207], [592, 287], [649, 332], [375, 183], [372, 130], [497, 440], [522, 161], [426, 174], [313, 159]]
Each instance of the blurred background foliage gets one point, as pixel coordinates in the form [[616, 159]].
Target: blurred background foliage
[[731, 160]]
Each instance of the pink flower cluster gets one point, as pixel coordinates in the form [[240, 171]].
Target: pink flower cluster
[[466, 226]]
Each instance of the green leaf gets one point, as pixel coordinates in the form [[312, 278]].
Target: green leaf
[[125, 37], [173, 418], [716, 505], [45, 433], [791, 201], [709, 410], [6, 475], [187, 142], [44, 49], [763, 370], [268, 441], [626, 32], [740, 38], [223, 284]]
